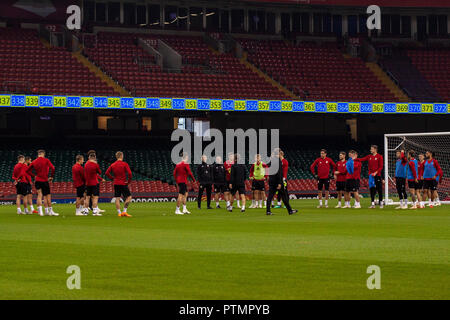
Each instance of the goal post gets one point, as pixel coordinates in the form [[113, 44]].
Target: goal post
[[437, 142]]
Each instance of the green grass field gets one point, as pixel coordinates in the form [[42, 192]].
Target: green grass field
[[213, 254]]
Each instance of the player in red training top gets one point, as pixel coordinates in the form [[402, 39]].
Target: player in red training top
[[340, 177], [181, 173], [21, 185], [42, 166], [375, 161], [121, 174], [29, 187], [420, 168], [91, 177], [353, 177], [79, 185], [324, 165]]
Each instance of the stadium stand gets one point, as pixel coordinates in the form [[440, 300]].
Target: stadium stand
[[316, 72], [402, 69], [204, 74], [29, 66], [434, 65]]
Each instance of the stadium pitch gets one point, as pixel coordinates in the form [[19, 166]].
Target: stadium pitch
[[214, 254]]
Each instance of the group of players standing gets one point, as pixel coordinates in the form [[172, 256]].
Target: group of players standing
[[86, 180], [422, 175], [229, 179]]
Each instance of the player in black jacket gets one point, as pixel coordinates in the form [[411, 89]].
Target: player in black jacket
[[276, 183], [205, 179], [237, 182], [219, 177]]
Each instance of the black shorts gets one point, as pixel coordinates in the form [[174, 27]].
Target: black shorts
[[413, 184], [240, 189], [399, 181], [430, 184], [352, 185], [227, 186], [182, 188], [21, 189], [93, 190], [29, 188], [340, 185], [80, 191], [258, 185], [420, 185], [220, 187], [121, 191], [43, 186], [323, 183]]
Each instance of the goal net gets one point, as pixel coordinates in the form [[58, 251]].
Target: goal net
[[437, 142]]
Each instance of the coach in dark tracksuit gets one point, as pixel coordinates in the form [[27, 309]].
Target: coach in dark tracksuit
[[205, 179], [276, 184], [219, 177], [237, 182]]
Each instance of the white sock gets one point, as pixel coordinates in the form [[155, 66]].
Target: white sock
[[326, 202], [118, 211], [238, 203], [217, 203], [320, 202], [31, 207], [184, 207], [279, 203], [228, 203], [243, 207], [26, 210], [46, 211], [125, 209], [39, 209], [373, 203], [18, 210], [50, 209], [260, 202]]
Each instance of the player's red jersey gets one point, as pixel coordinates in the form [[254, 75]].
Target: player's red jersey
[[18, 173], [342, 168], [323, 167], [182, 172], [120, 169], [91, 173], [356, 171], [26, 174], [285, 167], [227, 165], [42, 166], [78, 175], [375, 163], [420, 168]]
